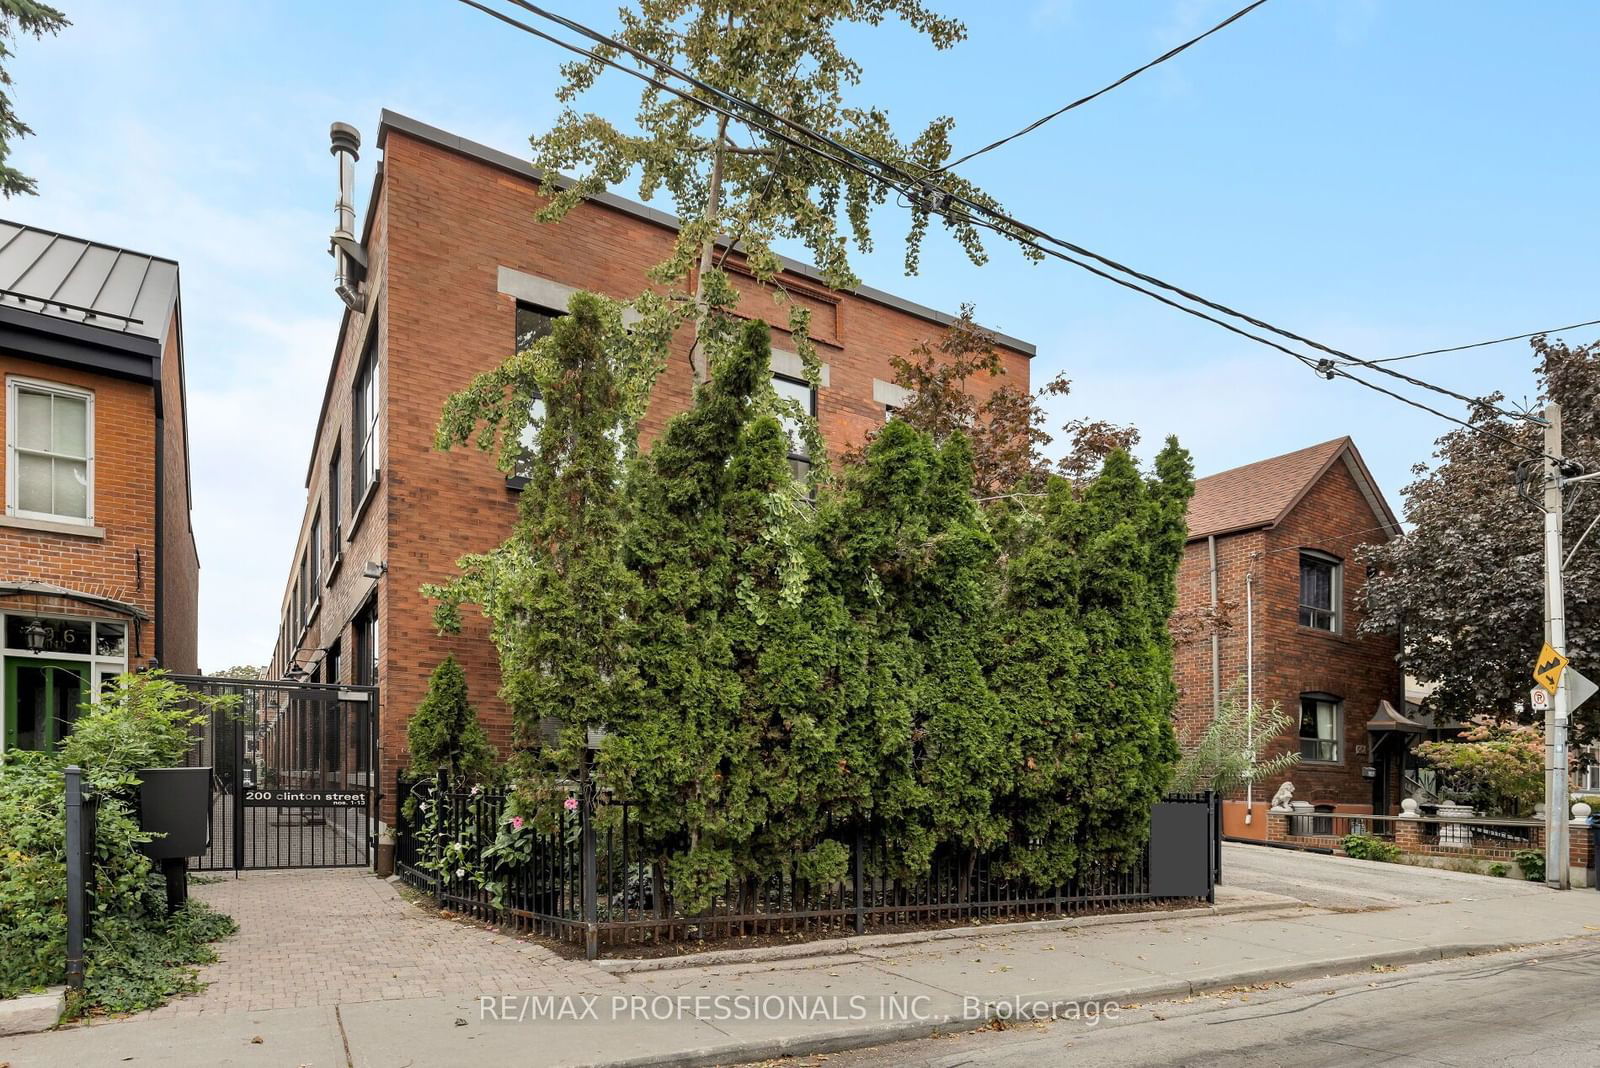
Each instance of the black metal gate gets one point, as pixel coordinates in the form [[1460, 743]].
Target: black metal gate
[[294, 774]]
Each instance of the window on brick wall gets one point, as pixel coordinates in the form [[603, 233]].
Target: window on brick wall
[[1320, 580], [49, 451], [533, 323], [1321, 728], [799, 391], [314, 551], [364, 409], [333, 506]]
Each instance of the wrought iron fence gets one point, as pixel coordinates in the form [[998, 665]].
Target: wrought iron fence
[[586, 881]]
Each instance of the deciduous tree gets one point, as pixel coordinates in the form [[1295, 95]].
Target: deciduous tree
[[1465, 584]]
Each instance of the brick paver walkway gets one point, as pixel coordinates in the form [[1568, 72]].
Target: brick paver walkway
[[340, 935]]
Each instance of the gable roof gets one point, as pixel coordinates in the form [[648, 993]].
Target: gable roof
[[1263, 493], [86, 282]]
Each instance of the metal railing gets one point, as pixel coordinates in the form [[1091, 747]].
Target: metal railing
[[587, 881], [1469, 836]]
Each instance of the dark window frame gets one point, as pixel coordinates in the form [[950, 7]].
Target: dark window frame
[[799, 459], [364, 430], [1330, 618], [334, 519], [1318, 744]]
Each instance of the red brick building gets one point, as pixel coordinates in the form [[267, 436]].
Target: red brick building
[[98, 568], [1276, 540], [449, 267]]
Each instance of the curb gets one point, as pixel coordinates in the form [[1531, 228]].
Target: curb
[[833, 947], [28, 1014], [838, 1040]]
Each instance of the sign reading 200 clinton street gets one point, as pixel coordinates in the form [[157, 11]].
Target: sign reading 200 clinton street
[[307, 798]]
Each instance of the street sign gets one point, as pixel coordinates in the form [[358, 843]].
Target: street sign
[[1579, 689], [1547, 669], [1539, 699]]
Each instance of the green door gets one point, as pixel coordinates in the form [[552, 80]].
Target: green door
[[42, 700]]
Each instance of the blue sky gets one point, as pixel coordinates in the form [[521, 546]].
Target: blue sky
[[1381, 175]]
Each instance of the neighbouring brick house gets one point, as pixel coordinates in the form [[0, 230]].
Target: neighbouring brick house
[[449, 270], [98, 569], [1275, 542]]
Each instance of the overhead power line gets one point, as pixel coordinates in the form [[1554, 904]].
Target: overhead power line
[[941, 202], [1082, 100], [1481, 344]]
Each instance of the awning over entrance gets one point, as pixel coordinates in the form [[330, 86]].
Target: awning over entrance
[[1388, 719], [46, 589]]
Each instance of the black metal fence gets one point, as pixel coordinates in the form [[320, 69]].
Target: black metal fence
[[586, 882], [82, 811]]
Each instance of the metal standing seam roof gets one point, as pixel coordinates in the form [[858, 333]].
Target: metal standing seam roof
[[85, 281]]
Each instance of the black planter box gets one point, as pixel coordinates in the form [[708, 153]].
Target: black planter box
[[175, 803]]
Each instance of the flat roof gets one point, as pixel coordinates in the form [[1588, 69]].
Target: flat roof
[[390, 120]]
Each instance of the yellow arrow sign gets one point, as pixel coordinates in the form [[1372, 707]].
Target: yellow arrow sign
[[1548, 668]]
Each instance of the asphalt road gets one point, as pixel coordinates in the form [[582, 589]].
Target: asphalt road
[[1538, 1007], [1342, 883]]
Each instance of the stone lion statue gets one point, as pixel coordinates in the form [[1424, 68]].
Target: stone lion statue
[[1284, 795]]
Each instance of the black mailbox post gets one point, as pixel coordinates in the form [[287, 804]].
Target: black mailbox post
[[175, 803]]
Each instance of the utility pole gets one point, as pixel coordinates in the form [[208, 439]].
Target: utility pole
[[1556, 799]]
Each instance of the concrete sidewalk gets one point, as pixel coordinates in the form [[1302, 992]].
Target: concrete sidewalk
[[869, 996]]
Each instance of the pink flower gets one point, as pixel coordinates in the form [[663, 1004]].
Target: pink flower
[[516, 823], [572, 804]]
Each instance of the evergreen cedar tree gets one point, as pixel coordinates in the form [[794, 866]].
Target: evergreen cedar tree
[[1465, 583], [19, 18], [775, 669], [445, 735]]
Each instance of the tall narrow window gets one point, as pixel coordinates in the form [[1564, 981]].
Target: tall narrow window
[[314, 549], [365, 671], [533, 323], [1319, 591], [1321, 727], [49, 452], [333, 506], [365, 429], [302, 600], [801, 393]]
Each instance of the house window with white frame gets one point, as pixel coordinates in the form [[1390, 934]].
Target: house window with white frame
[[1321, 728], [1321, 578], [49, 452]]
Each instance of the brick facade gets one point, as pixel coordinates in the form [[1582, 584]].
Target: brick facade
[[138, 538], [1331, 514], [448, 225]]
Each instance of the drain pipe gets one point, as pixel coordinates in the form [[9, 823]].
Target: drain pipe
[[1250, 686], [1216, 639]]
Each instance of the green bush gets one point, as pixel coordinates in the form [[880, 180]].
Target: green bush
[[1499, 870], [1366, 847], [1531, 861], [136, 956], [445, 733]]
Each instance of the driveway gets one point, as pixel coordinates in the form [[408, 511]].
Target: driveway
[[1342, 883]]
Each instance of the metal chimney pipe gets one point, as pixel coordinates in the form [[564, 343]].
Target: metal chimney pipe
[[345, 143]]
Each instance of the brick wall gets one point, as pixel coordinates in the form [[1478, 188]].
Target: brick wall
[[1334, 518], [180, 561], [443, 226], [121, 565]]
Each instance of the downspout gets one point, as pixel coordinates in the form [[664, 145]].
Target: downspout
[[1216, 639], [161, 501], [1250, 685]]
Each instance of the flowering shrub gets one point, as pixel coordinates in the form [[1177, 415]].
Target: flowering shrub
[[1500, 764]]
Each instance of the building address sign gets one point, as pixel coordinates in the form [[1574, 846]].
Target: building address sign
[[306, 798]]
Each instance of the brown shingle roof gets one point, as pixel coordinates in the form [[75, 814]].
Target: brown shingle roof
[[1261, 494]]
